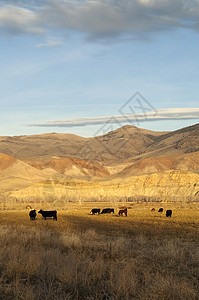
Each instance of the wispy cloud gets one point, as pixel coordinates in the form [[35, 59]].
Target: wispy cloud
[[51, 43], [100, 19], [161, 114]]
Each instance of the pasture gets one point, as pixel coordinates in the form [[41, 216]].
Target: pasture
[[81, 256]]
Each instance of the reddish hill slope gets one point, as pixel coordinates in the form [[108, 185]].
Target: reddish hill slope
[[70, 166], [6, 161], [16, 174]]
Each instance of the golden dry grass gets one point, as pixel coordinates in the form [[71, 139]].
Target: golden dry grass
[[142, 256]]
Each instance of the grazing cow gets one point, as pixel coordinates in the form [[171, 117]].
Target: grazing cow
[[123, 211], [168, 213], [48, 214], [107, 211], [160, 209], [32, 214], [153, 209], [95, 211]]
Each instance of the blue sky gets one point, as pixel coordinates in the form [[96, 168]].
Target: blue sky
[[62, 60]]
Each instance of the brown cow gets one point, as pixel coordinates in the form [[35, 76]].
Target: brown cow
[[123, 211]]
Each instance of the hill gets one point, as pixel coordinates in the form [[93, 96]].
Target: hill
[[70, 166], [88, 168], [183, 162], [121, 144], [185, 140], [16, 174]]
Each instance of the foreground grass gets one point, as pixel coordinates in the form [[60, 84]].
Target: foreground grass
[[143, 256]]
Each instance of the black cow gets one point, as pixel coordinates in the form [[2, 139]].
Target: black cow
[[48, 214], [168, 213], [160, 210], [95, 211], [32, 214], [107, 211]]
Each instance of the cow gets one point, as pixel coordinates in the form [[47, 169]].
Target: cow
[[107, 211], [153, 209], [48, 214], [160, 209], [123, 211], [32, 214], [95, 211], [168, 213]]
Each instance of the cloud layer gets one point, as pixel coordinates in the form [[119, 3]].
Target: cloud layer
[[17, 20], [133, 119], [100, 19]]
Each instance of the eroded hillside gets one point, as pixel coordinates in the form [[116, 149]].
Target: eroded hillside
[[163, 186], [127, 162]]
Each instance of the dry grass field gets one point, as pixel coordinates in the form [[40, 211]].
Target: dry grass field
[[82, 256]]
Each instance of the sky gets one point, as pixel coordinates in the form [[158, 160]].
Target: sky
[[87, 67]]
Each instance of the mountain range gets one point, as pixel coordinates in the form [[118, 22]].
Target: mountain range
[[128, 155]]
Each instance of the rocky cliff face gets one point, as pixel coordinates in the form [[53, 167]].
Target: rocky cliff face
[[164, 186]]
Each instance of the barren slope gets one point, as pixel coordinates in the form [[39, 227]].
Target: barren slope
[[122, 143], [115, 146], [6, 161], [183, 162], [70, 166], [185, 140], [41, 145], [15, 174]]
